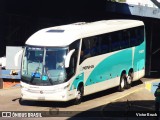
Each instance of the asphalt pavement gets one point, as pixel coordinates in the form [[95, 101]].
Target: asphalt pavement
[[137, 103]]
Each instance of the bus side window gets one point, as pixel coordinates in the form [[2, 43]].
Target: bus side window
[[115, 43], [136, 36], [133, 38], [85, 49], [104, 44], [88, 48], [140, 34], [125, 40], [93, 46]]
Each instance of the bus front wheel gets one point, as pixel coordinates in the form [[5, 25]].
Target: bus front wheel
[[122, 83], [79, 95]]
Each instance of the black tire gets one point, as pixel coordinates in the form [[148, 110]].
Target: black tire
[[21, 101], [122, 84], [79, 95], [130, 80]]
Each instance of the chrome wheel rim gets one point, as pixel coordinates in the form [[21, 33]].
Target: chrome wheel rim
[[78, 95], [129, 79], [122, 83]]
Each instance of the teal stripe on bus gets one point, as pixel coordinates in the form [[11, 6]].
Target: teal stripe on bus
[[139, 57], [77, 80], [112, 66]]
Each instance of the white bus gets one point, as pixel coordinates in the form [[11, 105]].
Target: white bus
[[70, 61]]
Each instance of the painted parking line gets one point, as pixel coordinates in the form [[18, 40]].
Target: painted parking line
[[128, 93], [152, 85], [122, 96]]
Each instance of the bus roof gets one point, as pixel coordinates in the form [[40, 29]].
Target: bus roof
[[66, 34]]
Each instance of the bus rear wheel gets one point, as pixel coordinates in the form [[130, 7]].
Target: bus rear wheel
[[79, 95], [130, 79], [122, 83]]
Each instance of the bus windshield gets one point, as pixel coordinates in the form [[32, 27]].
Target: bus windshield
[[44, 66]]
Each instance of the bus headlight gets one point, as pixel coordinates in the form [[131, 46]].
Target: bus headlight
[[65, 87], [24, 88]]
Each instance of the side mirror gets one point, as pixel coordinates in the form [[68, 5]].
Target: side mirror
[[16, 58], [68, 57]]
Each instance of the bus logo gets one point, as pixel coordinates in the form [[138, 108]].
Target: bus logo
[[141, 51], [41, 92], [88, 67]]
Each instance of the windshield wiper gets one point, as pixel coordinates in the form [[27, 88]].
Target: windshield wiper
[[49, 79]]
